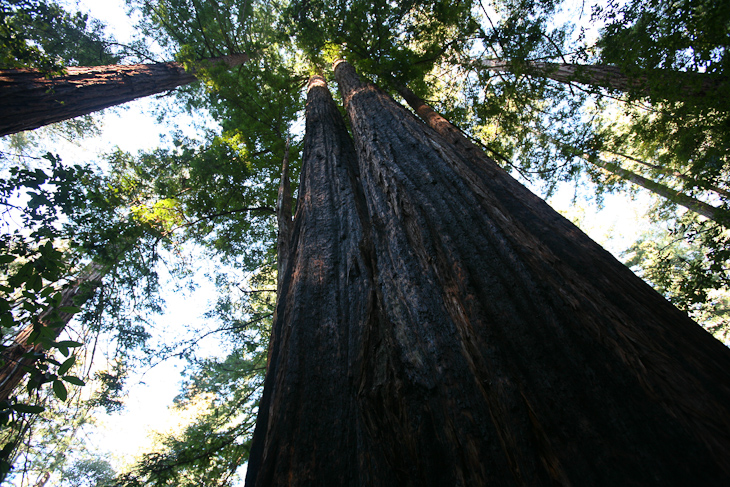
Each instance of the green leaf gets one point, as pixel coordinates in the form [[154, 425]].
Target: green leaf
[[73, 380], [69, 344], [27, 408], [47, 333], [7, 320], [6, 259], [67, 364], [35, 282], [60, 390]]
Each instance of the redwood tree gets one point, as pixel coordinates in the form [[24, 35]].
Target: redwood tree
[[305, 431], [440, 325], [675, 85], [29, 99]]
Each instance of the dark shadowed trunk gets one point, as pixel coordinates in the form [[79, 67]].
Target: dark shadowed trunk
[[29, 100], [606, 359], [306, 427], [16, 356], [673, 85], [440, 325]]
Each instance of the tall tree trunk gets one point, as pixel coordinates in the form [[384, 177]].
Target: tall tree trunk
[[29, 100], [307, 426], [674, 85], [677, 197], [689, 181], [624, 317], [448, 328], [15, 357]]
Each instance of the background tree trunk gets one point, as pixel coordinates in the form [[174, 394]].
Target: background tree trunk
[[29, 100], [13, 371], [677, 197], [675, 84], [689, 181], [283, 220]]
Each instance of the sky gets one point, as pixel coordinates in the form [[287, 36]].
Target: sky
[[132, 129]]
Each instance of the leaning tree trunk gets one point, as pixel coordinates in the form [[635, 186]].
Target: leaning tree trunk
[[29, 100], [440, 325], [693, 204], [23, 352], [674, 85], [677, 197], [688, 181]]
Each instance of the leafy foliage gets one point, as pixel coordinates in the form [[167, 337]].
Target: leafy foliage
[[40, 34]]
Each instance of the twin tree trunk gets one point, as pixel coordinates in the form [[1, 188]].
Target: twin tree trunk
[[29, 100], [440, 325]]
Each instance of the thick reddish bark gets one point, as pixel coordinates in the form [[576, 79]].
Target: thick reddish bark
[[518, 351], [29, 100], [307, 423], [13, 370], [585, 363], [440, 325], [673, 85]]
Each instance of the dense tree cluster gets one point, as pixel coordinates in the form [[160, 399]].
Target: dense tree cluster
[[421, 317]]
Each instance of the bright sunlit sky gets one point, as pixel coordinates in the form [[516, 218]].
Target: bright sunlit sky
[[133, 129]]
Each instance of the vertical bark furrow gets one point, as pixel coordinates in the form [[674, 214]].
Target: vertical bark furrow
[[306, 433], [572, 359], [579, 256]]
